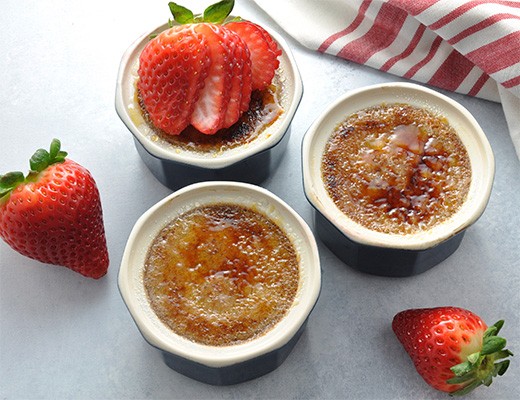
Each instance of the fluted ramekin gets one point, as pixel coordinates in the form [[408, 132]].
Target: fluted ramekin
[[221, 365], [384, 253], [176, 167]]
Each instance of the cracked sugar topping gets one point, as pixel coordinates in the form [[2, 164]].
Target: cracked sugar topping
[[221, 274], [396, 168]]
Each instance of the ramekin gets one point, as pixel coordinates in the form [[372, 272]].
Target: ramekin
[[395, 254], [220, 365], [175, 167]]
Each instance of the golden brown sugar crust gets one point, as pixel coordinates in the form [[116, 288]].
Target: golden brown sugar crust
[[221, 274], [396, 168]]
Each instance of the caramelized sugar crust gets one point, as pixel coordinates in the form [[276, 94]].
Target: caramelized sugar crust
[[221, 274], [396, 168]]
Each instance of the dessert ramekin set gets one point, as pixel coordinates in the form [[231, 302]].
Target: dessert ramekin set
[[233, 176]]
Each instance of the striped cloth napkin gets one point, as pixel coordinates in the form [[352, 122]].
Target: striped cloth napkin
[[470, 47]]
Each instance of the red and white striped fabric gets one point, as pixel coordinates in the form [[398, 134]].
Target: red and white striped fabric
[[470, 47]]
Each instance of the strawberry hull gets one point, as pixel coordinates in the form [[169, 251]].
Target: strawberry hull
[[175, 166]]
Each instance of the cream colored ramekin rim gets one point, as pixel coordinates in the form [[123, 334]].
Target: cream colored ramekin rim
[[160, 336], [473, 137]]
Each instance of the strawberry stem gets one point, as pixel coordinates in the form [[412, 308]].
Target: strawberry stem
[[215, 13], [40, 160], [480, 367], [218, 12], [9, 181]]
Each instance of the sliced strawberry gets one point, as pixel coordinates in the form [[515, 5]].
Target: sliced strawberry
[[247, 83], [270, 41], [210, 110], [240, 91], [172, 70], [264, 54]]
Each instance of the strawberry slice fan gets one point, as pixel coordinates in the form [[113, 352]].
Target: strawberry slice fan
[[470, 47]]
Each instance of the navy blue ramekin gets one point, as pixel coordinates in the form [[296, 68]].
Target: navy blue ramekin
[[387, 254], [221, 365]]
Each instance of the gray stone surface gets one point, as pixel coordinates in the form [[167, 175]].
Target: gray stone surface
[[64, 336]]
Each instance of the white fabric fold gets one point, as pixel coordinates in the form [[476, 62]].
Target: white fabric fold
[[469, 47]]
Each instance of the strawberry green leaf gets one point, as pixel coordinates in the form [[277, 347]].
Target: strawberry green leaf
[[502, 354], [218, 12], [60, 157], [498, 325], [494, 329], [9, 181], [181, 14], [463, 378], [491, 331], [462, 368], [57, 155], [55, 148], [465, 390], [502, 367], [492, 344], [39, 160], [473, 358], [480, 367], [488, 380]]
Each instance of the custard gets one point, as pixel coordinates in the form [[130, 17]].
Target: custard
[[396, 168], [221, 274]]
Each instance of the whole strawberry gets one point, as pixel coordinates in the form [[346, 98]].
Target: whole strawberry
[[452, 348], [202, 70], [54, 213]]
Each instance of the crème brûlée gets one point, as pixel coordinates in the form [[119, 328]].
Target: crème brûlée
[[396, 168], [221, 274]]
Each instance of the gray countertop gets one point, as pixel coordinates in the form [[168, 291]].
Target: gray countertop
[[65, 336]]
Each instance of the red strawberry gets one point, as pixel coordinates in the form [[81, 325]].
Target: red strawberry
[[241, 80], [201, 72], [263, 49], [272, 44], [452, 348], [210, 110], [54, 214], [172, 70]]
